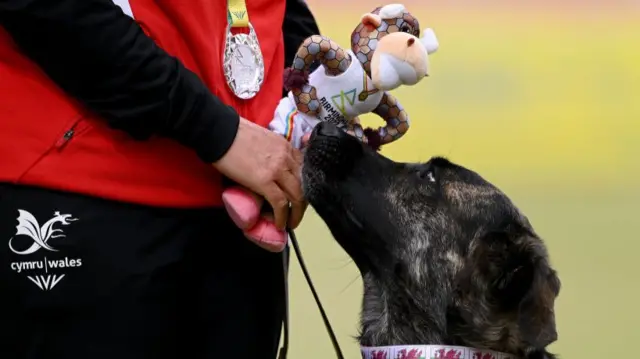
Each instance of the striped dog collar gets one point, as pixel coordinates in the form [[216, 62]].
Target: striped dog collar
[[430, 352]]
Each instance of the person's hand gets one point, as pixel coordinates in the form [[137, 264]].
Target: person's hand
[[305, 139], [267, 164]]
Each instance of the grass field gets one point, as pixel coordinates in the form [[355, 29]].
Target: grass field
[[544, 101]]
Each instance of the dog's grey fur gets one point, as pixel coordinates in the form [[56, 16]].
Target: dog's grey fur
[[445, 256]]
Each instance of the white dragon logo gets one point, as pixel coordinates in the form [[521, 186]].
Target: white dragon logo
[[28, 226]]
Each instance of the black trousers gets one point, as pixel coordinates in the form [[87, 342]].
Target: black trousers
[[85, 278]]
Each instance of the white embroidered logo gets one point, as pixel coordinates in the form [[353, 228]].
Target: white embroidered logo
[[29, 227], [45, 282]]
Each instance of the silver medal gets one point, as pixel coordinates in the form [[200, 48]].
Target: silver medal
[[243, 63]]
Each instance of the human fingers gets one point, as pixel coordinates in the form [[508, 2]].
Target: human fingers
[[298, 158], [279, 203], [291, 185], [305, 140], [289, 181], [297, 214]]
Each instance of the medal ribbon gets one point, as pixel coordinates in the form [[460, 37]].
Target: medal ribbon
[[237, 13]]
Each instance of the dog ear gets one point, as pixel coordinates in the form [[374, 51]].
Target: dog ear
[[520, 281], [536, 317], [508, 267]]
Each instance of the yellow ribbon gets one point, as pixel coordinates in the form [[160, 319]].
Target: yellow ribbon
[[237, 13]]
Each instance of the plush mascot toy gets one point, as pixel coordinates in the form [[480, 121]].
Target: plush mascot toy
[[386, 52]]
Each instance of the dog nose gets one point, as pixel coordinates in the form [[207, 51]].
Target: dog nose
[[327, 129]]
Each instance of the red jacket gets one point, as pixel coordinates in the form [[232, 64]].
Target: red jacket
[[49, 139]]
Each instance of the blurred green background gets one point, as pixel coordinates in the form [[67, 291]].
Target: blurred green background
[[542, 98]]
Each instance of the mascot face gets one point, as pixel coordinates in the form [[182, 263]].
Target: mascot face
[[387, 44]]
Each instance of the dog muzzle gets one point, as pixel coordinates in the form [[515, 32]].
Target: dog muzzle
[[430, 352]]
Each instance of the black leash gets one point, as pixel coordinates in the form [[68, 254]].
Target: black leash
[[285, 259]]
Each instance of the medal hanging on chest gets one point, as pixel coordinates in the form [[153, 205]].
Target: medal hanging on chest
[[242, 60]]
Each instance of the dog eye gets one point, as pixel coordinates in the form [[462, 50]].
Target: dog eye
[[427, 174], [430, 176]]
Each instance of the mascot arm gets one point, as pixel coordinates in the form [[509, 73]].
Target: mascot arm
[[395, 117], [292, 126]]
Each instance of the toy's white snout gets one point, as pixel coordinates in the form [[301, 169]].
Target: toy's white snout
[[394, 72]]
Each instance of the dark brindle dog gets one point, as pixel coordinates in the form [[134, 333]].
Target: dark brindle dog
[[451, 268]]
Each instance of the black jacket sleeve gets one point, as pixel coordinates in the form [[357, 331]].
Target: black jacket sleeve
[[298, 24], [100, 56]]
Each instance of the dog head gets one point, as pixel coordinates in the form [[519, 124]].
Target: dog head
[[444, 254]]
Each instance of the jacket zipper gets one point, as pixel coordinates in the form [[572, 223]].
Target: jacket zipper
[[62, 141], [59, 145], [73, 131]]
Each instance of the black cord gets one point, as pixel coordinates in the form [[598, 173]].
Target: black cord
[[325, 319], [285, 342]]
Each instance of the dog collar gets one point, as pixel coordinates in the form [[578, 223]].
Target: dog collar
[[430, 352]]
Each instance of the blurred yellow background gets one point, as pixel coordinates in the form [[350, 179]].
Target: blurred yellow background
[[542, 98]]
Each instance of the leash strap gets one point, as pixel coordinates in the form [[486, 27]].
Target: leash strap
[[305, 271]]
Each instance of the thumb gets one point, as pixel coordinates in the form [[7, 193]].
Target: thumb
[[305, 140]]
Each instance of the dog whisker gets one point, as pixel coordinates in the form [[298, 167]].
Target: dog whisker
[[350, 284], [345, 262]]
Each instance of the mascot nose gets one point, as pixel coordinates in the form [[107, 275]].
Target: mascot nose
[[327, 129], [410, 41]]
